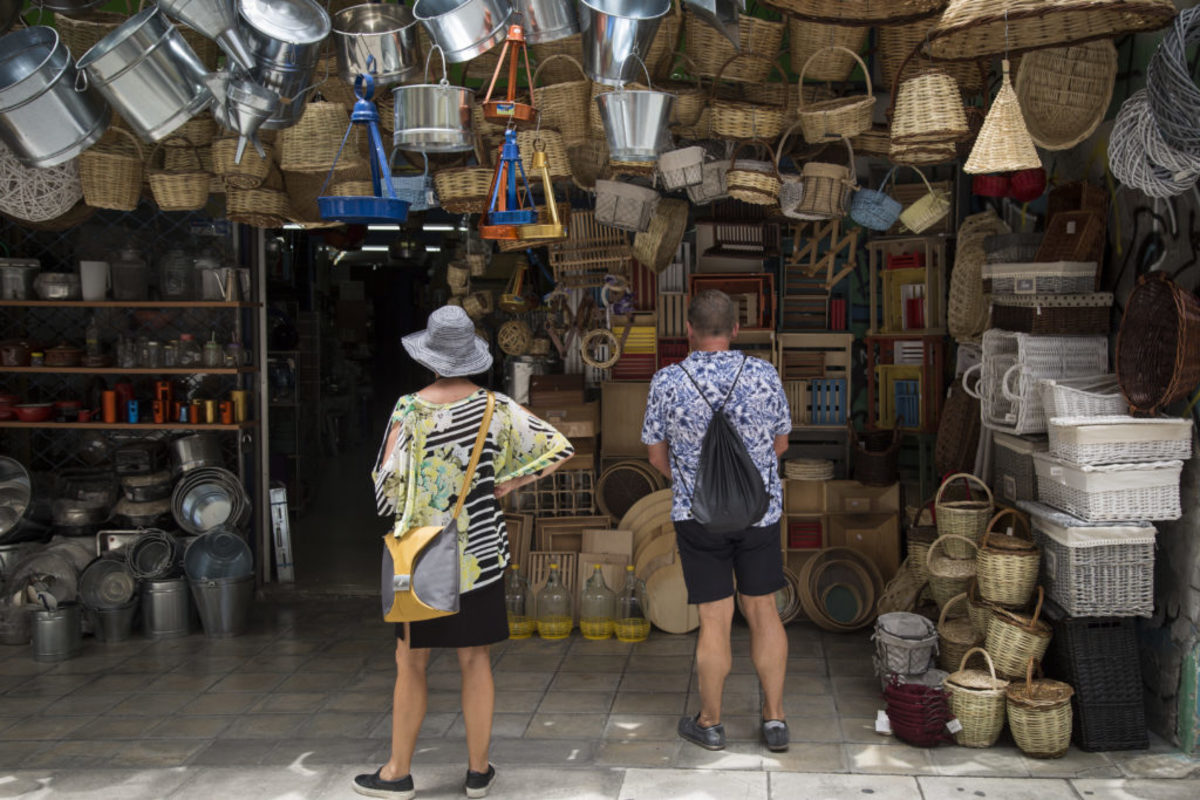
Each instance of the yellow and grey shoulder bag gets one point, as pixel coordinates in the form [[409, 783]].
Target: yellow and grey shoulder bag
[[421, 573]]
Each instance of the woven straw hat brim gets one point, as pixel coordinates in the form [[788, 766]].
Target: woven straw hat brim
[[449, 346]]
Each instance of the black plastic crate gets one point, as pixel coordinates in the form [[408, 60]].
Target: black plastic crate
[[1098, 656], [1101, 727]]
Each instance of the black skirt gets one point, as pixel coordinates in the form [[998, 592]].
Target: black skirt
[[481, 620]]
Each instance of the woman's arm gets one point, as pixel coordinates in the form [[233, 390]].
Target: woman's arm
[[516, 483]]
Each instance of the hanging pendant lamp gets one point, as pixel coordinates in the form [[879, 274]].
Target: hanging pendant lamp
[[1004, 143]]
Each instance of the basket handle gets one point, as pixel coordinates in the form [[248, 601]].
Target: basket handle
[[747, 143], [712, 95], [550, 58], [968, 477], [1037, 610], [782, 141], [937, 541], [966, 388], [917, 170], [1004, 381], [1029, 664], [950, 602], [137, 145], [962, 664], [861, 63], [690, 64], [1016, 515]]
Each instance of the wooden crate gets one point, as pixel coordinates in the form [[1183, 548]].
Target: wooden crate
[[828, 401], [760, 344], [591, 252], [672, 315], [803, 497], [899, 286], [876, 536], [566, 492], [923, 360], [830, 442], [520, 537], [565, 534], [804, 356], [852, 497], [797, 397], [671, 351], [804, 532], [622, 409], [927, 250]]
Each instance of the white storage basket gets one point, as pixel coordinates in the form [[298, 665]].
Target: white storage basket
[[625, 205], [1117, 492], [905, 643], [1095, 570], [681, 168], [1120, 439], [1089, 396], [1013, 475], [1058, 277]]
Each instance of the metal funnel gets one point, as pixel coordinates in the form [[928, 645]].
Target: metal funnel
[[721, 14], [216, 20], [247, 107]]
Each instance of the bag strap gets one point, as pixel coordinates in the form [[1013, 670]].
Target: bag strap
[[728, 394], [475, 454]]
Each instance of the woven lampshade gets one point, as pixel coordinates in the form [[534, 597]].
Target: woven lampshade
[[970, 29], [929, 110], [1004, 143]]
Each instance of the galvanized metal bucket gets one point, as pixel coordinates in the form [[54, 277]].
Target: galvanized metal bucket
[[464, 29], [285, 39], [166, 609], [385, 33], [114, 624], [224, 605], [547, 20], [43, 120], [57, 633], [616, 34], [635, 123], [433, 117]]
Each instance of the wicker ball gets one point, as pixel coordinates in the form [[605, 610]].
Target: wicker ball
[[514, 338], [540, 347], [37, 195], [595, 338]]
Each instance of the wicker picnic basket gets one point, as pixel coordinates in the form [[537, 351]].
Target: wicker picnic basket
[[1012, 638], [977, 699], [625, 205], [956, 635], [464, 190], [829, 120], [806, 38], [713, 53], [753, 181], [969, 29], [949, 577], [1158, 344], [826, 188], [1003, 143], [564, 105], [1007, 566], [928, 210], [742, 119], [252, 170], [182, 184], [111, 171], [655, 247], [1065, 92], [312, 144], [1039, 715], [965, 518], [264, 206]]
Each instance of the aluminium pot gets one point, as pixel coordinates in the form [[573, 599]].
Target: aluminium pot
[[464, 29], [195, 452], [635, 122], [285, 39], [43, 119], [547, 20], [433, 117], [615, 32], [149, 74], [385, 33]]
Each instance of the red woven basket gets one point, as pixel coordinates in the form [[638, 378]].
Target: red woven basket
[[1158, 345], [1027, 185], [990, 185]]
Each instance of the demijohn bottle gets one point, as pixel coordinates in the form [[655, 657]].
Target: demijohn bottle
[[596, 607], [631, 624], [516, 600], [554, 608]]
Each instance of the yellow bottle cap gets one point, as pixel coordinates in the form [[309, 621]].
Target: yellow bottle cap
[[629, 567]]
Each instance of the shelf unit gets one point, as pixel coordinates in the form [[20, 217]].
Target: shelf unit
[[129, 426], [849, 514], [917, 260], [130, 370], [125, 304]]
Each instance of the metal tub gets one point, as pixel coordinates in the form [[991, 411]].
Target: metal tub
[[464, 29], [386, 33], [285, 39], [433, 117], [615, 33], [166, 608], [149, 73], [547, 20], [43, 119], [635, 123]]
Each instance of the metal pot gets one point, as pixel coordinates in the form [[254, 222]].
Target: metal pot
[[386, 33], [57, 286], [464, 29], [43, 119], [16, 277], [196, 451], [149, 73], [615, 32], [14, 353], [547, 20], [433, 117], [635, 122], [285, 38]]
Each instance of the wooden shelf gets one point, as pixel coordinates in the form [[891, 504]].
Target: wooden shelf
[[131, 370], [128, 426], [124, 304]]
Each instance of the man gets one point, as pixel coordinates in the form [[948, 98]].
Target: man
[[677, 417]]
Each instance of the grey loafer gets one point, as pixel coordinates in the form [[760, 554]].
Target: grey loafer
[[775, 734], [710, 738]]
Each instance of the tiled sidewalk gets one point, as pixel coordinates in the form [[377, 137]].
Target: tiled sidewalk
[[299, 705]]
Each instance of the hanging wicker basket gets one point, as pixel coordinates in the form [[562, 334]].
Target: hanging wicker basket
[[753, 181], [265, 206], [978, 700], [826, 188], [564, 105], [463, 190], [1065, 91], [964, 518], [1007, 566], [927, 211], [691, 100], [927, 109], [1003, 143], [861, 12], [1039, 715], [1013, 639], [829, 120], [875, 209], [949, 577], [791, 184], [1158, 344], [656, 246], [741, 119], [252, 170], [956, 635], [557, 71], [681, 168], [312, 144], [182, 183], [895, 45], [712, 52], [111, 171], [625, 205], [806, 38]]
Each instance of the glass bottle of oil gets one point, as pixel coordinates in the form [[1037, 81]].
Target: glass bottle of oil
[[596, 607], [554, 607], [631, 624], [516, 600]]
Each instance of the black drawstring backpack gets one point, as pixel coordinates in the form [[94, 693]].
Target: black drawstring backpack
[[728, 494]]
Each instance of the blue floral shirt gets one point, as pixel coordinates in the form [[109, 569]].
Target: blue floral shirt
[[758, 409]]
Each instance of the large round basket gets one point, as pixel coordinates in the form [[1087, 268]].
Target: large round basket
[[1065, 92], [966, 518], [977, 699], [111, 171], [1007, 564], [1158, 345], [956, 635], [1039, 715], [830, 120], [949, 577], [1013, 639], [564, 105], [463, 190]]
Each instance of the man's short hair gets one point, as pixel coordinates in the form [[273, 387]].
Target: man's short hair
[[712, 313]]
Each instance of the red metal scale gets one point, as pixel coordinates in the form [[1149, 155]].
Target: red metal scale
[[510, 109]]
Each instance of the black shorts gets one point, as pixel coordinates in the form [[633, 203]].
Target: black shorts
[[481, 619], [711, 561]]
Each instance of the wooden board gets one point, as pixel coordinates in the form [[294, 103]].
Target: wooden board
[[667, 607], [658, 552], [520, 538], [622, 408], [565, 534], [649, 501]]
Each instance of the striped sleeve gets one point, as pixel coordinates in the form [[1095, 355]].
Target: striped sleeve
[[528, 445]]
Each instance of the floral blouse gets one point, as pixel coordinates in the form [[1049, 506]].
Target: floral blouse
[[419, 481]]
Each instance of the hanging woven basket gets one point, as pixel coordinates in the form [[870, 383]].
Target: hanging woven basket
[[655, 247], [806, 38], [265, 206], [875, 209], [826, 188], [927, 211], [557, 71], [312, 144], [111, 171], [1003, 144], [181, 183], [743, 119], [712, 52], [1065, 91], [252, 170], [564, 105], [829, 120], [896, 43], [927, 109], [861, 12], [1158, 344], [754, 181]]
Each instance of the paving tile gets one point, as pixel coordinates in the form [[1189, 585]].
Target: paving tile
[[504, 726], [210, 664], [998, 761], [273, 662], [433, 726], [44, 728], [742, 728], [650, 703], [566, 726], [641, 663], [23, 706], [882, 759], [641, 726], [312, 682], [734, 684], [585, 682], [807, 666], [609, 647], [853, 685], [291, 703], [247, 682], [371, 681], [731, 703], [452, 701], [651, 682], [182, 682], [357, 701], [233, 753], [14, 755], [108, 727], [666, 646], [637, 753], [1136, 789], [1029, 789], [222, 703], [154, 753], [151, 705], [521, 681], [564, 701], [1075, 764], [806, 757], [235, 782], [74, 755], [861, 730], [860, 706], [735, 756], [510, 701], [588, 662], [304, 753], [137, 784], [443, 680], [681, 784], [852, 666], [338, 724], [1159, 765], [107, 684], [265, 726], [528, 662], [806, 684], [787, 786], [21, 666], [191, 727], [76, 705], [49, 685], [563, 752]]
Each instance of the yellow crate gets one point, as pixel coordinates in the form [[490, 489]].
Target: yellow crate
[[886, 377]]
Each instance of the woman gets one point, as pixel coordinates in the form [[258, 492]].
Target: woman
[[418, 476]]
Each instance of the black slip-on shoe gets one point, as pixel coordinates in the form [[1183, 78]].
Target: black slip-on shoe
[[375, 786], [710, 738], [775, 734], [478, 783]]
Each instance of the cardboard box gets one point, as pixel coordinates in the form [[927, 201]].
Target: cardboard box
[[622, 410], [553, 390], [611, 542]]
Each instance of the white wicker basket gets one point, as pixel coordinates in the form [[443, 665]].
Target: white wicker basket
[[1120, 439], [1013, 475], [1095, 570], [1090, 396], [1059, 277], [1113, 493], [681, 168]]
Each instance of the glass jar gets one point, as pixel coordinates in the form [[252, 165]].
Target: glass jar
[[516, 601], [214, 354], [631, 624], [175, 279], [142, 349], [130, 275], [554, 608], [154, 354], [189, 351], [596, 605], [171, 354], [234, 355], [37, 359]]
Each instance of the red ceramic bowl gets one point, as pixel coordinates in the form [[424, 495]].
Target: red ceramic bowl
[[34, 412]]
